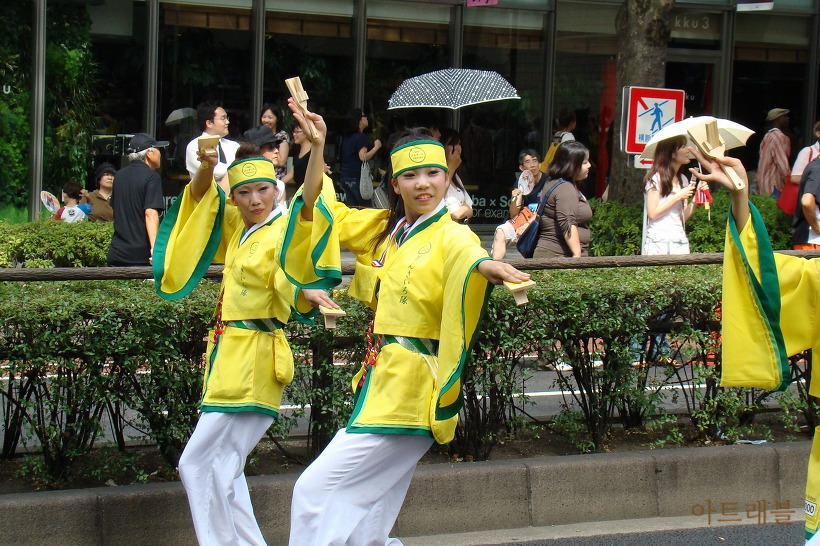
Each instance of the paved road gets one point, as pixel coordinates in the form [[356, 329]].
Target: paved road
[[544, 400]]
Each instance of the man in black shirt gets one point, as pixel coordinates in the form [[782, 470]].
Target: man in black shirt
[[137, 200], [806, 224]]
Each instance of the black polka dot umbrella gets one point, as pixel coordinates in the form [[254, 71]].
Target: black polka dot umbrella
[[452, 88]]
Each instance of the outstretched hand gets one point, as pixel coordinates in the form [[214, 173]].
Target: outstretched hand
[[740, 197], [318, 122], [317, 297], [498, 272], [715, 172]]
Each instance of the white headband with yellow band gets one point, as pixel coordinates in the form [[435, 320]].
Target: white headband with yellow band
[[418, 154], [252, 169]]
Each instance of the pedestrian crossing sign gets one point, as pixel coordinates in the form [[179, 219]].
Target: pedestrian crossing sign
[[647, 110]]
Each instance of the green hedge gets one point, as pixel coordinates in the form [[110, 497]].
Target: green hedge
[[48, 243], [81, 352], [78, 352], [615, 230]]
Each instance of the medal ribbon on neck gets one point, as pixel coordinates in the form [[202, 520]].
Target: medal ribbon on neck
[[398, 234]]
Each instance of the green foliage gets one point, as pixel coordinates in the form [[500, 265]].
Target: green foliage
[[615, 229], [70, 97], [14, 146], [82, 353], [570, 425], [47, 243], [493, 376], [667, 423], [709, 235], [591, 322], [12, 215], [73, 347]]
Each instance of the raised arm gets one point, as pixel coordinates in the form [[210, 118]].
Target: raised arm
[[740, 198], [316, 164], [204, 177], [654, 207], [367, 155]]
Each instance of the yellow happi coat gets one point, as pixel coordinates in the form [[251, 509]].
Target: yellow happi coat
[[770, 307], [428, 299], [250, 362]]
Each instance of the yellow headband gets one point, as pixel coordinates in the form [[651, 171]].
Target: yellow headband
[[252, 169], [418, 154]]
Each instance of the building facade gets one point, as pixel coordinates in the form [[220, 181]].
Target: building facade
[[160, 56]]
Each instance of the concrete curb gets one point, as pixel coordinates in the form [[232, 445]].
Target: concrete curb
[[449, 498]]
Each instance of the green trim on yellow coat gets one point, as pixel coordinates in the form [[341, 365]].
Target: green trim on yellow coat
[[768, 301], [239, 408], [161, 244], [446, 412], [328, 277]]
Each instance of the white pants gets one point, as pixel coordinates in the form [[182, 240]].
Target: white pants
[[212, 469], [352, 493]]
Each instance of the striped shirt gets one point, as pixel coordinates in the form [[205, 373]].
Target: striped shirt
[[773, 167]]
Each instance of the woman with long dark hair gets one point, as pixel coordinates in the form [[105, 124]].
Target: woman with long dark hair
[[271, 117], [666, 199], [566, 214], [356, 149]]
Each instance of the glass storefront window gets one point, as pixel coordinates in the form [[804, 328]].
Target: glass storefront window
[[510, 42], [770, 69], [404, 39], [204, 54], [314, 40], [585, 81]]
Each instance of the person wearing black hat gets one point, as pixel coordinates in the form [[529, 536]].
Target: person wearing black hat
[[136, 203], [99, 199]]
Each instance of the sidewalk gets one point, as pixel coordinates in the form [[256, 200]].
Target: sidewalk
[[445, 501], [632, 532]]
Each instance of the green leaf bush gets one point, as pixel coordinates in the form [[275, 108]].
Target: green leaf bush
[[74, 347], [616, 229], [48, 243], [81, 354]]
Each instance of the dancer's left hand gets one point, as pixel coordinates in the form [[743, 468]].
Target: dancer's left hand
[[316, 297], [498, 272]]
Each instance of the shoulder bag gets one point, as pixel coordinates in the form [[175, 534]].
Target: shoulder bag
[[380, 200], [529, 239], [366, 181], [787, 202]]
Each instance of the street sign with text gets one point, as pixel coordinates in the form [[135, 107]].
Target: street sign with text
[[647, 110]]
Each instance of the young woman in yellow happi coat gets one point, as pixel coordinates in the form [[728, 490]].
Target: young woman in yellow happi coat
[[770, 311], [426, 278], [248, 362]]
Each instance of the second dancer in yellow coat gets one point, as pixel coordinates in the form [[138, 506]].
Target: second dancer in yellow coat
[[248, 362]]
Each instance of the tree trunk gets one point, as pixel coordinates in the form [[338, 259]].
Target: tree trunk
[[643, 28]]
